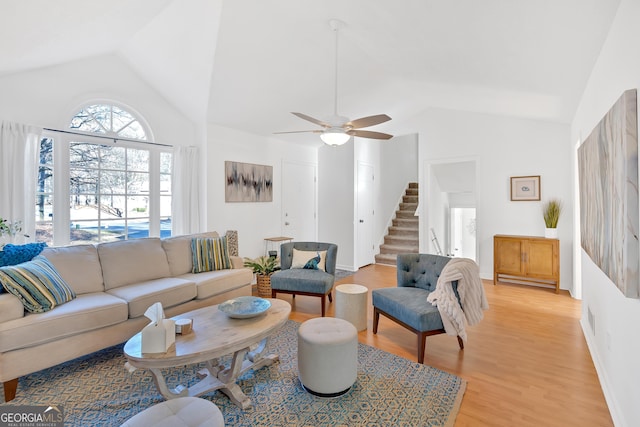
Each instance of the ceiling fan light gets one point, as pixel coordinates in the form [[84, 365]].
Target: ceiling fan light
[[334, 137]]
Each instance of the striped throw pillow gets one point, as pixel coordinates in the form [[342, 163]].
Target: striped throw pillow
[[37, 284], [210, 254]]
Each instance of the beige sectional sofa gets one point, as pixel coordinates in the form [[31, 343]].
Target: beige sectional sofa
[[115, 283]]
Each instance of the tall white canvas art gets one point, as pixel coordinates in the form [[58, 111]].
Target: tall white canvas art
[[608, 169]]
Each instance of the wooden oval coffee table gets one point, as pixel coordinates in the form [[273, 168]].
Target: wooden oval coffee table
[[214, 335]]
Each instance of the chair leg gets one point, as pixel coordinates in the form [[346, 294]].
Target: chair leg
[[461, 343], [322, 305], [10, 388], [376, 319], [329, 295], [422, 341], [273, 293]]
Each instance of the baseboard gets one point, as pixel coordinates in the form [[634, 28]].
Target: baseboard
[[347, 267], [616, 415]]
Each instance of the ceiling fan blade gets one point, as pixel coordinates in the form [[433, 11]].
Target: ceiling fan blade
[[301, 131], [369, 134], [368, 121], [312, 120]]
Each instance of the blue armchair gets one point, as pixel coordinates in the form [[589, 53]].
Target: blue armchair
[[407, 303], [305, 281]]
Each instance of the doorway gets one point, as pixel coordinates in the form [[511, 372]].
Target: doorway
[[451, 198], [462, 226]]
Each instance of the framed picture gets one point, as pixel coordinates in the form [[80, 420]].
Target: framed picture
[[246, 182], [525, 188]]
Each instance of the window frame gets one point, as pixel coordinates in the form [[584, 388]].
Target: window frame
[[62, 141]]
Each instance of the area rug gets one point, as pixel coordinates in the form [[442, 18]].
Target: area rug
[[341, 274], [96, 390]]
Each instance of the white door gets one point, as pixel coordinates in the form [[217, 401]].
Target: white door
[[299, 201], [365, 250]]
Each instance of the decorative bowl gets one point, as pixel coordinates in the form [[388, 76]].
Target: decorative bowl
[[244, 307]]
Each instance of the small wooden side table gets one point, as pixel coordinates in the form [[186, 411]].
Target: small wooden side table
[[274, 242]]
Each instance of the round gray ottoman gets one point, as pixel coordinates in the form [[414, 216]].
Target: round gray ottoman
[[327, 356], [180, 412]]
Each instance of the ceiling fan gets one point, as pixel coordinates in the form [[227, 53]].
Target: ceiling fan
[[337, 130]]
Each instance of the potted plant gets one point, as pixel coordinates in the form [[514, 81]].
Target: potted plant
[[10, 229], [263, 267], [551, 213]]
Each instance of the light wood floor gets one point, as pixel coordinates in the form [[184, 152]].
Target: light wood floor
[[526, 363]]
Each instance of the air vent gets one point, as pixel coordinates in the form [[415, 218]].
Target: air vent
[[592, 321]]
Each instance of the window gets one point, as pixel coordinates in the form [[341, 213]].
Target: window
[[117, 186]]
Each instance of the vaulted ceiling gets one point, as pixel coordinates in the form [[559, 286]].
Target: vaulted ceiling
[[246, 64]]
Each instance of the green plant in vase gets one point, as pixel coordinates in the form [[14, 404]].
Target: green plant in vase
[[551, 211], [263, 267]]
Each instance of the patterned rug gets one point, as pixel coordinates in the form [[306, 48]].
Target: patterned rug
[[341, 274], [96, 390]]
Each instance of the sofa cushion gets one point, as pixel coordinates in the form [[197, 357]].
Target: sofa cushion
[[78, 265], [168, 291], [210, 254], [178, 250], [85, 313], [10, 307], [37, 284], [213, 283], [132, 261]]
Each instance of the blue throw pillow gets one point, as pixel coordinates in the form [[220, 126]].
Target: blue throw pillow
[[17, 254], [312, 264]]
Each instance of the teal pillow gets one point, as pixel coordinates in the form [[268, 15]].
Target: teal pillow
[[37, 284], [16, 254], [210, 254]]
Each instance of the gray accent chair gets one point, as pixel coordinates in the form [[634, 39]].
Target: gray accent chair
[[407, 303], [299, 281]]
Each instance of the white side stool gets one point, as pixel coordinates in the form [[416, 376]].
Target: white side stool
[[179, 412], [327, 356], [351, 304]]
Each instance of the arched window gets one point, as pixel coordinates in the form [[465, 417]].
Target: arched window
[[109, 120], [117, 182]]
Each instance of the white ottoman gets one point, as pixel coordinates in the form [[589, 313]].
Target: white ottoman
[[327, 356], [351, 304], [179, 412]]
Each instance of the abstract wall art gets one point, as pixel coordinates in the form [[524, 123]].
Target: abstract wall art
[[246, 182], [608, 178]]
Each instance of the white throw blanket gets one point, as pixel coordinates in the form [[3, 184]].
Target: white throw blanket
[[471, 292]]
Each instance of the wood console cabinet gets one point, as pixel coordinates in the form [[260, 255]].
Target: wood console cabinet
[[526, 260]]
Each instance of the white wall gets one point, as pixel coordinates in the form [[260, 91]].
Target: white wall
[[433, 215], [504, 147], [615, 344], [49, 97], [336, 200], [254, 221]]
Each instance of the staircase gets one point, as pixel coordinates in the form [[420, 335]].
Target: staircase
[[402, 236]]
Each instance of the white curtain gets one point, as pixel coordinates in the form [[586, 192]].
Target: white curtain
[[185, 191], [19, 148]]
